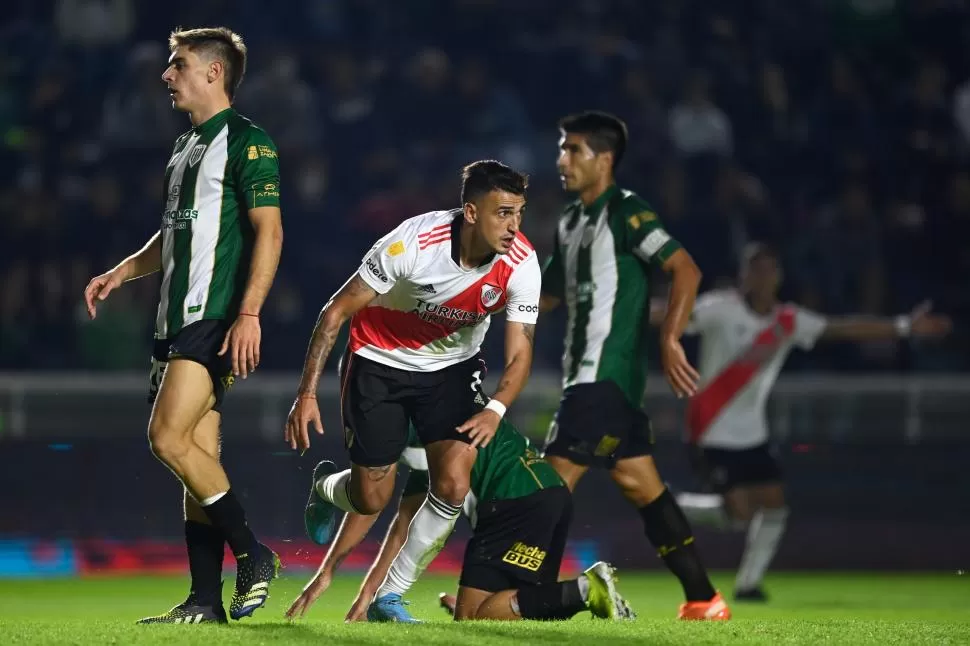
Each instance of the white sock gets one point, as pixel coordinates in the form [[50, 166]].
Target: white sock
[[429, 530], [705, 509], [764, 535], [335, 489]]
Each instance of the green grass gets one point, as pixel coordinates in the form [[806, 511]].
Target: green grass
[[805, 609]]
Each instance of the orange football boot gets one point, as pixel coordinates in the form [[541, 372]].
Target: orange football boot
[[713, 610]]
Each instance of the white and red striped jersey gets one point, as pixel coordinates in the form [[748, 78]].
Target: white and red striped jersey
[[431, 312], [741, 354]]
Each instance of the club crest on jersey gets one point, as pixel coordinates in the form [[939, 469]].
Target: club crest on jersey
[[490, 295], [196, 155]]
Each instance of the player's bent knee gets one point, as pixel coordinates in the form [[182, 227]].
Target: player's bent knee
[[166, 443], [371, 488], [451, 488], [772, 496], [639, 492], [638, 480], [370, 500], [569, 471]]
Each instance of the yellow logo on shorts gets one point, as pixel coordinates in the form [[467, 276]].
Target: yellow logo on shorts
[[606, 446], [228, 381], [524, 556], [396, 249]]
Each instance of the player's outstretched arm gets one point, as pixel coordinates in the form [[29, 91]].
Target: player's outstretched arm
[[146, 260], [350, 299], [352, 531], [686, 278], [243, 339], [397, 533], [919, 323]]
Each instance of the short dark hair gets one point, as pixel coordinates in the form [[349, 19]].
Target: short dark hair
[[220, 43], [482, 177], [604, 132]]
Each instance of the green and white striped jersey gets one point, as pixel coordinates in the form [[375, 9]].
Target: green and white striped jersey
[[600, 268], [218, 171]]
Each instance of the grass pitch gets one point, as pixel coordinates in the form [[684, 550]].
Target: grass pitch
[[845, 608]]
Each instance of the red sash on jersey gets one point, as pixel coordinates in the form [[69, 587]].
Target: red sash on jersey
[[705, 406], [388, 329]]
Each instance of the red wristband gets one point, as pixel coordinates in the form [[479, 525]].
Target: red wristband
[[248, 314]]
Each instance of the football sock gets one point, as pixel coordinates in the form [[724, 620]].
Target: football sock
[[228, 517], [206, 547], [669, 532], [429, 529], [551, 600], [335, 489], [764, 536]]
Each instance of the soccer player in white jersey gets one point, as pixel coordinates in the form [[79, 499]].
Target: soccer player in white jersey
[[218, 248], [746, 334], [606, 241], [420, 306]]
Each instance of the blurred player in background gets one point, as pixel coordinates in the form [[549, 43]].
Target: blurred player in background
[[218, 249], [606, 241], [421, 304], [746, 334], [519, 510]]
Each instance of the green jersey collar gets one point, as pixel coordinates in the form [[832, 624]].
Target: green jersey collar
[[213, 123], [594, 209]]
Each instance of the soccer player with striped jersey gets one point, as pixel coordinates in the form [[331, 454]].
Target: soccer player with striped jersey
[[605, 244], [519, 510], [746, 335], [217, 249], [420, 305]]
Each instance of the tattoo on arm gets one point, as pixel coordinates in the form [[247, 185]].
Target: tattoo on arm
[[321, 343], [326, 331], [357, 287], [530, 334], [507, 381], [377, 474]]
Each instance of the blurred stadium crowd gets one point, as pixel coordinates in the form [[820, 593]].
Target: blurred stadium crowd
[[839, 129]]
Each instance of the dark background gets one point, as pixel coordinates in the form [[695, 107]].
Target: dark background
[[837, 129]]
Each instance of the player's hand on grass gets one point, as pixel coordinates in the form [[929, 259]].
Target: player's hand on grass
[[317, 586], [242, 341], [925, 324], [98, 290], [303, 413], [679, 373], [358, 611], [481, 428]]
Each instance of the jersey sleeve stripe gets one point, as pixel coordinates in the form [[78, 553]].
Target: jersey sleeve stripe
[[521, 251], [704, 408], [434, 232], [524, 242], [427, 242]]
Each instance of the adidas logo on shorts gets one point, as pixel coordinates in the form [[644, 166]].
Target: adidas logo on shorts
[[427, 289]]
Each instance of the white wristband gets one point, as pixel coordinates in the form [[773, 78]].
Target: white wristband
[[497, 406], [904, 325]]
